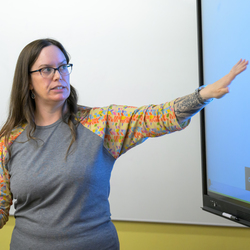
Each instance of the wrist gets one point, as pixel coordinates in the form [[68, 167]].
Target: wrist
[[231, 76], [204, 94]]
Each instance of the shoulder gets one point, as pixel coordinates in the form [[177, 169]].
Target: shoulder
[[82, 112], [15, 132], [13, 135]]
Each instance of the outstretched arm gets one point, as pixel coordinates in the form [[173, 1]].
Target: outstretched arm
[[187, 106]]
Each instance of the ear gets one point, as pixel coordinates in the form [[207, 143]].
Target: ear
[[31, 86]]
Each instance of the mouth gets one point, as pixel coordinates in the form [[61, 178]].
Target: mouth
[[58, 87]]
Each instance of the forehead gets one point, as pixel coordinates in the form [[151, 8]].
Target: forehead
[[50, 55]]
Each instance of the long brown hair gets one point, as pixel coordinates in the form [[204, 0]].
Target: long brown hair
[[22, 106]]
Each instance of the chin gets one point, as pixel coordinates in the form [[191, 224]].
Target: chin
[[59, 100]]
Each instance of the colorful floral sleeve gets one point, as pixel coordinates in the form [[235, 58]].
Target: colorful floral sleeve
[[123, 127], [5, 193]]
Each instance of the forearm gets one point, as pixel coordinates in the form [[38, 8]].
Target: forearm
[[187, 106]]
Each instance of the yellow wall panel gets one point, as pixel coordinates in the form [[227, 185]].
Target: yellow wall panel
[[153, 236]]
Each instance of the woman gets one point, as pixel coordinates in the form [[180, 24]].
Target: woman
[[56, 157]]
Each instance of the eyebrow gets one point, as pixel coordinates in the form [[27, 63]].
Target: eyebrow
[[50, 65]]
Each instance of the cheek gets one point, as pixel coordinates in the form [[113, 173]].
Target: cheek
[[68, 90], [66, 80], [68, 94], [68, 83], [39, 85]]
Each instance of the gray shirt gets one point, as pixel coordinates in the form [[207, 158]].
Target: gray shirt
[[63, 204]]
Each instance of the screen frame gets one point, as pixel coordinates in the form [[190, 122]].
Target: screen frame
[[217, 204]]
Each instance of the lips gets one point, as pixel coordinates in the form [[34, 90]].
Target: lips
[[58, 87]]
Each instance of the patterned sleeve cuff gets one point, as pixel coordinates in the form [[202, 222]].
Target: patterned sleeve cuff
[[200, 99]]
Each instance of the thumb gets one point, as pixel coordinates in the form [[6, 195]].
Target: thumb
[[222, 92]]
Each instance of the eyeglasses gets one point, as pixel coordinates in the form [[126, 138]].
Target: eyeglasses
[[48, 72]]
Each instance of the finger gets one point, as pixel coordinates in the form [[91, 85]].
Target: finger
[[244, 62], [239, 62], [242, 66]]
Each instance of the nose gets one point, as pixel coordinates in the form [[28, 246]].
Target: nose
[[57, 75]]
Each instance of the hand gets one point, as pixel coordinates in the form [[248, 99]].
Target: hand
[[220, 88]]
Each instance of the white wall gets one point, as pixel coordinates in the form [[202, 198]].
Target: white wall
[[131, 52]]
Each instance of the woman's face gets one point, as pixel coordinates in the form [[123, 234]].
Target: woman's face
[[51, 91]]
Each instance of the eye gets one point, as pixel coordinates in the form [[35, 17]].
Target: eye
[[63, 68], [47, 70]]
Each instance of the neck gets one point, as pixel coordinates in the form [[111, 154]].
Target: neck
[[47, 115]]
